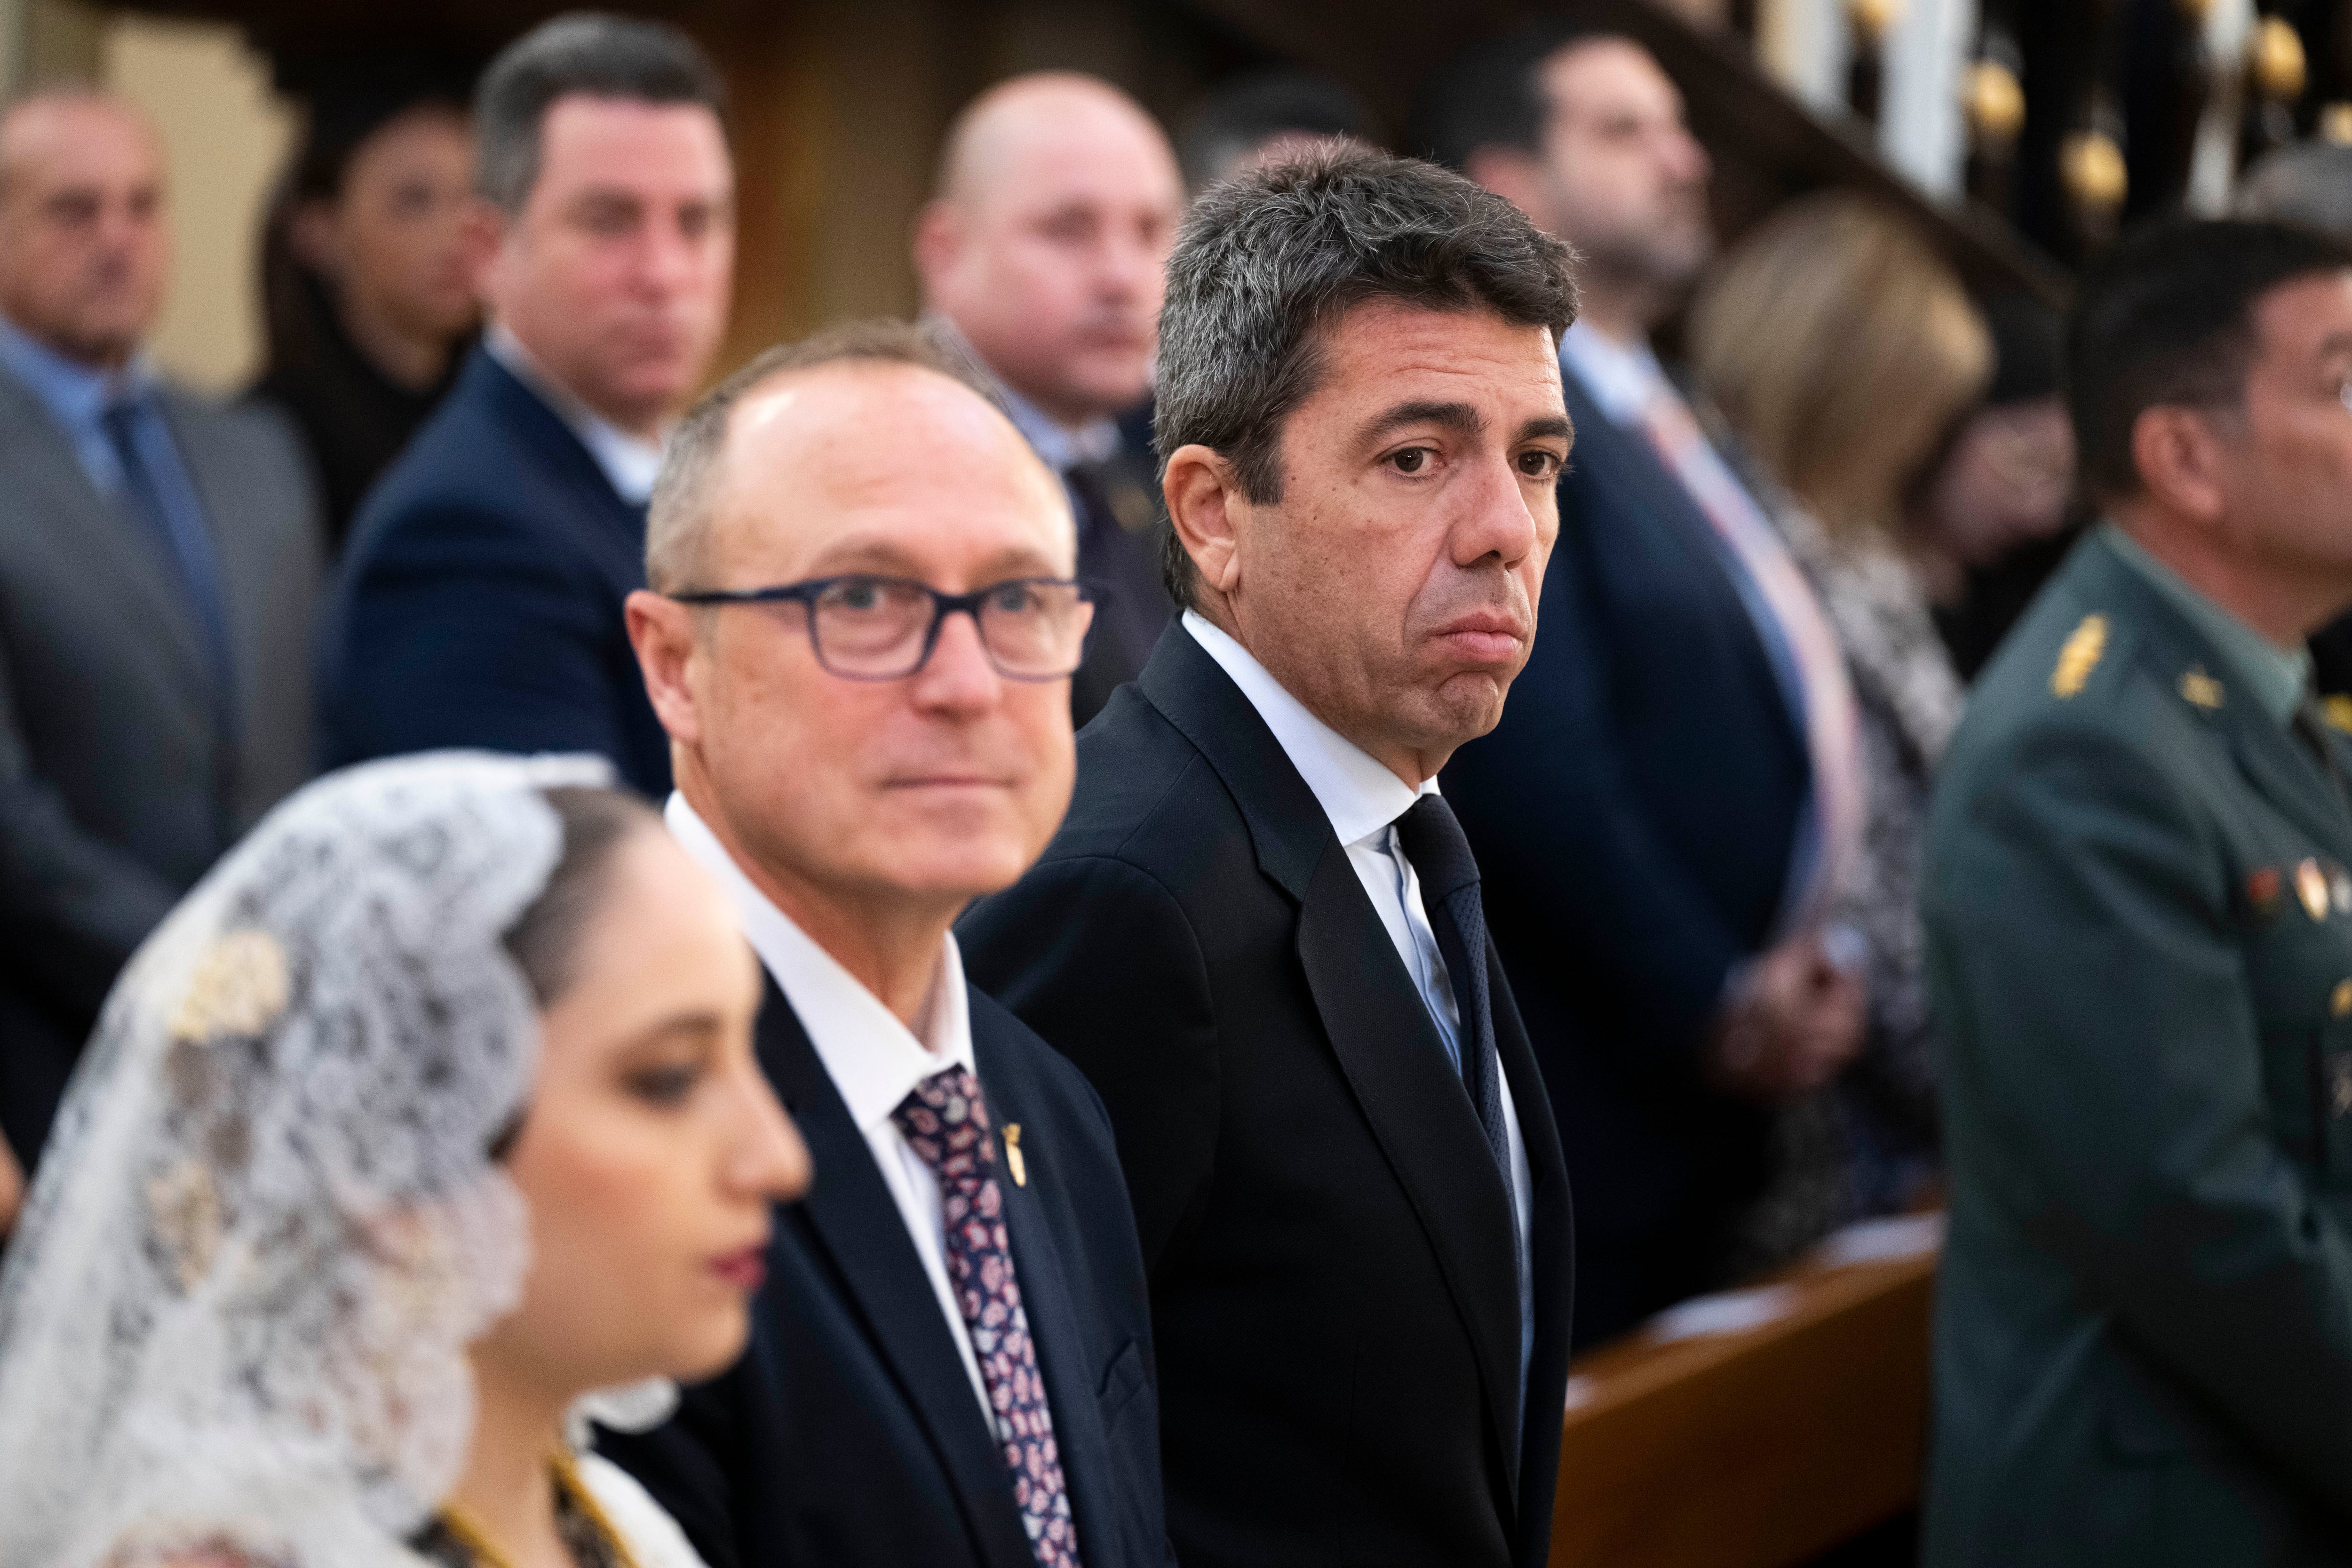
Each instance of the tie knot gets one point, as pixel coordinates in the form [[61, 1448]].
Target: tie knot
[[1433, 841], [945, 1121]]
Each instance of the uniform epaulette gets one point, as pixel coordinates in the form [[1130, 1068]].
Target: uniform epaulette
[[2079, 657], [2200, 691]]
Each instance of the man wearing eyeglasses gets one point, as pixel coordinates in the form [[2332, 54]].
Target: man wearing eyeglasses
[[859, 634]]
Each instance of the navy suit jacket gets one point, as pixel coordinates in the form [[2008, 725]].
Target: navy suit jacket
[[479, 600], [1332, 1254], [848, 1435], [1634, 816]]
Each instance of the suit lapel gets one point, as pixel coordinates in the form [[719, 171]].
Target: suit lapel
[[851, 1216], [616, 537], [1379, 1027], [39, 458], [1046, 1296], [1655, 498]]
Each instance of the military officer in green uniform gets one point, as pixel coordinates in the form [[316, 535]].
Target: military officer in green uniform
[[2139, 919]]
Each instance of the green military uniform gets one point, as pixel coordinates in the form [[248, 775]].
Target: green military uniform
[[2139, 924]]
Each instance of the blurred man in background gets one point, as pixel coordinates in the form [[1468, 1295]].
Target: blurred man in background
[[1045, 248], [479, 604], [159, 561], [2139, 927], [1665, 809], [366, 294], [2310, 184]]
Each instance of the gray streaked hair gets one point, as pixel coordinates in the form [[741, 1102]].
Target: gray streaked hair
[[585, 52], [679, 518], [1269, 260]]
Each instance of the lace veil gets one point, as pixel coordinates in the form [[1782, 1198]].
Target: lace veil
[[268, 1224]]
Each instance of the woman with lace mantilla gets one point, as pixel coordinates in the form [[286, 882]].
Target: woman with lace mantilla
[[425, 1131]]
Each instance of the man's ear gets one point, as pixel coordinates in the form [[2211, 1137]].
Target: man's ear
[[1203, 498], [663, 632], [481, 238], [1512, 173], [2177, 452], [939, 236]]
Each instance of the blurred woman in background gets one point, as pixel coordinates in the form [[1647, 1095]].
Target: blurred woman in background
[[1992, 516], [367, 302], [1839, 348], [426, 1129]]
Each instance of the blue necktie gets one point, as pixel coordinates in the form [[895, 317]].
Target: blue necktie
[[185, 546]]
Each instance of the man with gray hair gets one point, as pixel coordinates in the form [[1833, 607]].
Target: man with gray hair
[[479, 603], [863, 666], [1259, 930]]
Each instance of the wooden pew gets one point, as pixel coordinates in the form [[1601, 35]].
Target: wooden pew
[[1761, 1447]]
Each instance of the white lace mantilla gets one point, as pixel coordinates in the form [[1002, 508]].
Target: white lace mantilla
[[267, 1224]]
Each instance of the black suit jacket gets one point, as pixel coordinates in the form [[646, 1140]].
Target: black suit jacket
[[1633, 814], [479, 600], [1332, 1249], [849, 1433]]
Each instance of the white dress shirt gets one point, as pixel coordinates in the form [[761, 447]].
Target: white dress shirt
[[630, 464], [1364, 799], [874, 1060]]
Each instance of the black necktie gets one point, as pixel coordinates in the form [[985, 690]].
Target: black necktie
[[1441, 857]]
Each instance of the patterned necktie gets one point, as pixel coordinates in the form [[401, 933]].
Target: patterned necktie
[[1433, 841], [1832, 734], [945, 1121]]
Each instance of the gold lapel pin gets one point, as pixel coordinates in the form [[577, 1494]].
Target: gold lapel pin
[[2201, 689], [1012, 1159]]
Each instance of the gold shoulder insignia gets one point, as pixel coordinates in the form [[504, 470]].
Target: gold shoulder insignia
[[2336, 709], [2080, 656], [2200, 689]]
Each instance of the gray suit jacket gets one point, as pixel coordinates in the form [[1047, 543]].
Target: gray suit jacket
[[117, 787]]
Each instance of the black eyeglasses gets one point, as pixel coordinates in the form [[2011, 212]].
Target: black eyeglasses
[[865, 627]]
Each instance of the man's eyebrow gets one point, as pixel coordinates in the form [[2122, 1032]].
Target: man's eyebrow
[[1458, 416], [1549, 425]]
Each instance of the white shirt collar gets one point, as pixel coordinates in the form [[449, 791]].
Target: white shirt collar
[[1360, 797], [630, 464], [874, 1060], [1621, 377]]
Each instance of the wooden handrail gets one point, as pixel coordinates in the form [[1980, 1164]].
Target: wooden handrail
[[1756, 1448]]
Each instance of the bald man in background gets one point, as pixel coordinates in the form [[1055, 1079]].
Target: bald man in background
[[1045, 250], [158, 559]]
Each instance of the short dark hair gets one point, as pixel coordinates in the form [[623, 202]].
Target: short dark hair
[[1243, 114], [581, 52], [2166, 317], [677, 519], [1267, 261], [1487, 95]]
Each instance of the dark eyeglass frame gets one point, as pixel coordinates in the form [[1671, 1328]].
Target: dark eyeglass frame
[[807, 593]]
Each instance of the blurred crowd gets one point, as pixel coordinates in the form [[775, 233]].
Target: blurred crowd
[[1814, 484]]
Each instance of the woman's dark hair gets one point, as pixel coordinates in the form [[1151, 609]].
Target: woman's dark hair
[[544, 942], [349, 102]]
